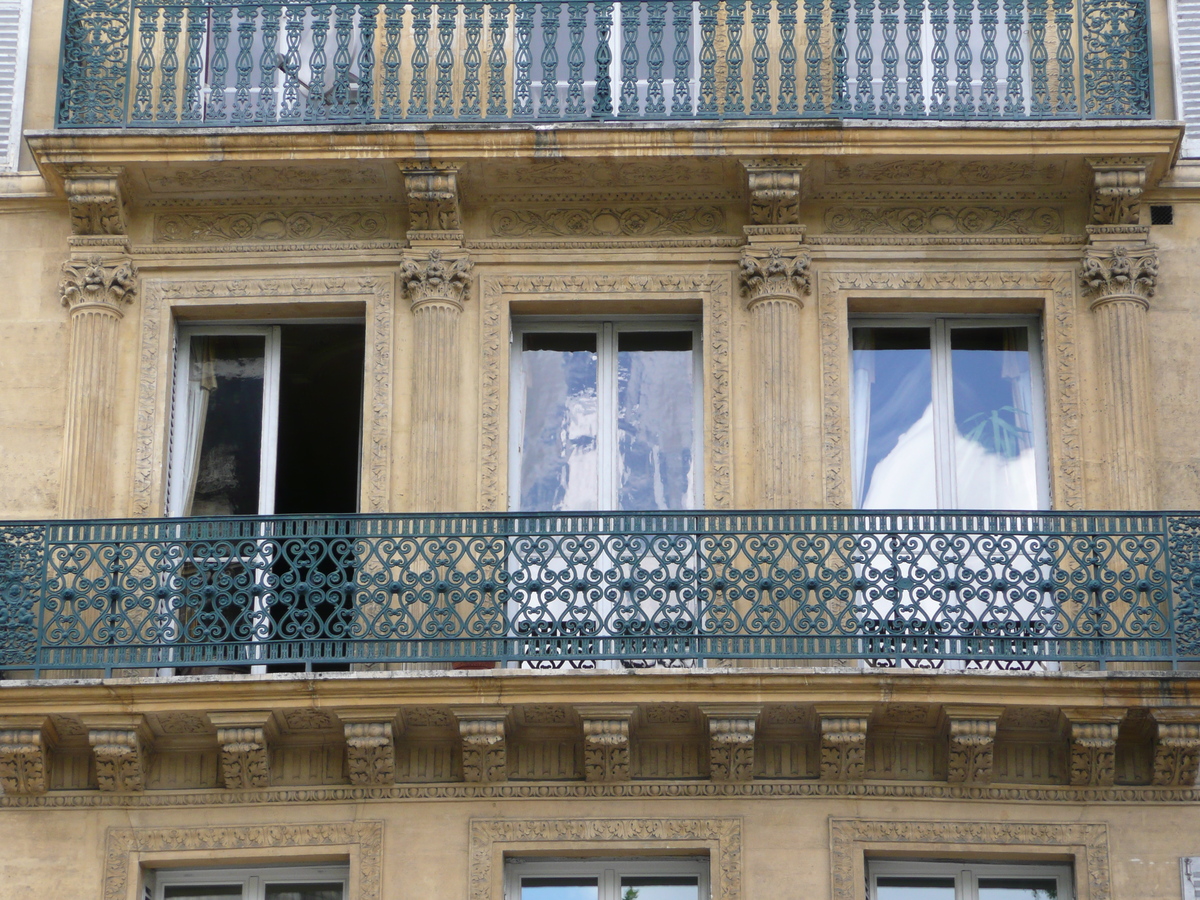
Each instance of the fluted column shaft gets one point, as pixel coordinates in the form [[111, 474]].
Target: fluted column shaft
[[436, 378], [775, 340], [1121, 323]]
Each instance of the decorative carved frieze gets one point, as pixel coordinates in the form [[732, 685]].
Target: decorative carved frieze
[[433, 201], [775, 194], [24, 763], [235, 179], [96, 202], [639, 221], [96, 282], [1093, 746], [972, 746], [435, 280], [950, 220], [121, 758], [370, 753], [843, 747], [943, 172], [1117, 188], [606, 747], [244, 739], [775, 276], [1120, 273], [221, 226], [731, 744], [1176, 749], [484, 748]]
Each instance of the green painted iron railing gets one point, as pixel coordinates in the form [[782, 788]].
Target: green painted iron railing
[[145, 63], [1010, 590]]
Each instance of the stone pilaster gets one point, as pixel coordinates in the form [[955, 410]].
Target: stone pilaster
[[606, 743], [1093, 746], [484, 747], [244, 739], [972, 743], [436, 288], [774, 284], [843, 742], [1176, 748], [121, 748], [731, 742], [25, 743]]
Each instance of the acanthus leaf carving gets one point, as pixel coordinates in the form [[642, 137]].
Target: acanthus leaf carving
[[775, 194], [606, 749], [1176, 751], [1120, 274], [843, 748], [121, 758], [1117, 188], [484, 749], [370, 753], [731, 748], [972, 746], [433, 200], [98, 282], [436, 280], [1093, 753], [23, 767], [245, 760], [96, 203], [777, 276]]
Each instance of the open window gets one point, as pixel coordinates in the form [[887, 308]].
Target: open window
[[668, 878]]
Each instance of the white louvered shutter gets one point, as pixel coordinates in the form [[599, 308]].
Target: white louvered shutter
[[14, 52], [1187, 45]]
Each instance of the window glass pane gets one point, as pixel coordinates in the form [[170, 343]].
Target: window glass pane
[[894, 887], [560, 432], [559, 889], [667, 887], [222, 434], [304, 892], [893, 428], [994, 452], [202, 892], [1018, 889], [655, 407]]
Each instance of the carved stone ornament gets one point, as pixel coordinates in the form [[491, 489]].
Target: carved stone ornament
[[121, 759], [433, 203], [1121, 274], [245, 761], [972, 744], [95, 202], [731, 748], [484, 750], [370, 753], [22, 761], [843, 748], [1176, 752], [774, 195], [779, 276], [1093, 753], [606, 749], [98, 282], [436, 280], [1117, 188]]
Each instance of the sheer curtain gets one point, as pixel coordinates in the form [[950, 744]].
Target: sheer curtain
[[202, 382]]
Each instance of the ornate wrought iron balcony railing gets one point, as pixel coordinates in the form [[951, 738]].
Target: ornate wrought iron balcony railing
[[144, 63], [1010, 590]]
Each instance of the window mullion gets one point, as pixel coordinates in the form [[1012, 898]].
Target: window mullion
[[943, 415], [606, 397], [270, 423]]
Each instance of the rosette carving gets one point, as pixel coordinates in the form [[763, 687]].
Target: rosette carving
[[777, 276]]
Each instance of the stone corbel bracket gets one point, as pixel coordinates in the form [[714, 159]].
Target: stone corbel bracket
[[775, 276], [606, 743], [1117, 188], [434, 208], [370, 749], [1176, 748], [775, 189], [1093, 737], [843, 742], [972, 732], [435, 280], [121, 746], [244, 739], [731, 733], [484, 745], [96, 200], [25, 743]]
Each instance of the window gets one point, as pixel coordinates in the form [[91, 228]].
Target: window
[[265, 883], [948, 414], [607, 879], [605, 416], [14, 54], [895, 880]]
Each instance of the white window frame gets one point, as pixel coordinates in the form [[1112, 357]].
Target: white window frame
[[606, 330], [607, 871], [943, 391], [10, 142], [966, 874], [253, 880]]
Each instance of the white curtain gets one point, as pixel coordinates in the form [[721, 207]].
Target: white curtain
[[202, 381]]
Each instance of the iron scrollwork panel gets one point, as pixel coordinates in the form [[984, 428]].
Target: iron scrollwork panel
[[94, 72], [1116, 59]]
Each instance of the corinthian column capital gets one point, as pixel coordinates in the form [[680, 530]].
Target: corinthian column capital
[[97, 282], [776, 276], [435, 280], [1120, 274]]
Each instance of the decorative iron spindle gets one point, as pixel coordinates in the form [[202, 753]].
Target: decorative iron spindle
[[964, 96], [939, 93], [630, 27], [221, 28], [143, 95], [268, 64], [1014, 58], [656, 23], [443, 60], [814, 88], [735, 15], [789, 100], [389, 94], [548, 107], [889, 96], [760, 56], [1064, 18], [914, 97], [522, 103], [602, 100], [317, 108], [864, 25], [342, 60], [989, 98], [169, 67], [368, 19], [293, 31], [681, 97], [418, 89], [193, 66], [840, 55], [576, 27], [497, 102], [471, 107], [1039, 80]]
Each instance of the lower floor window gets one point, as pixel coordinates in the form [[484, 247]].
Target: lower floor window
[[896, 880], [265, 883], [607, 879]]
